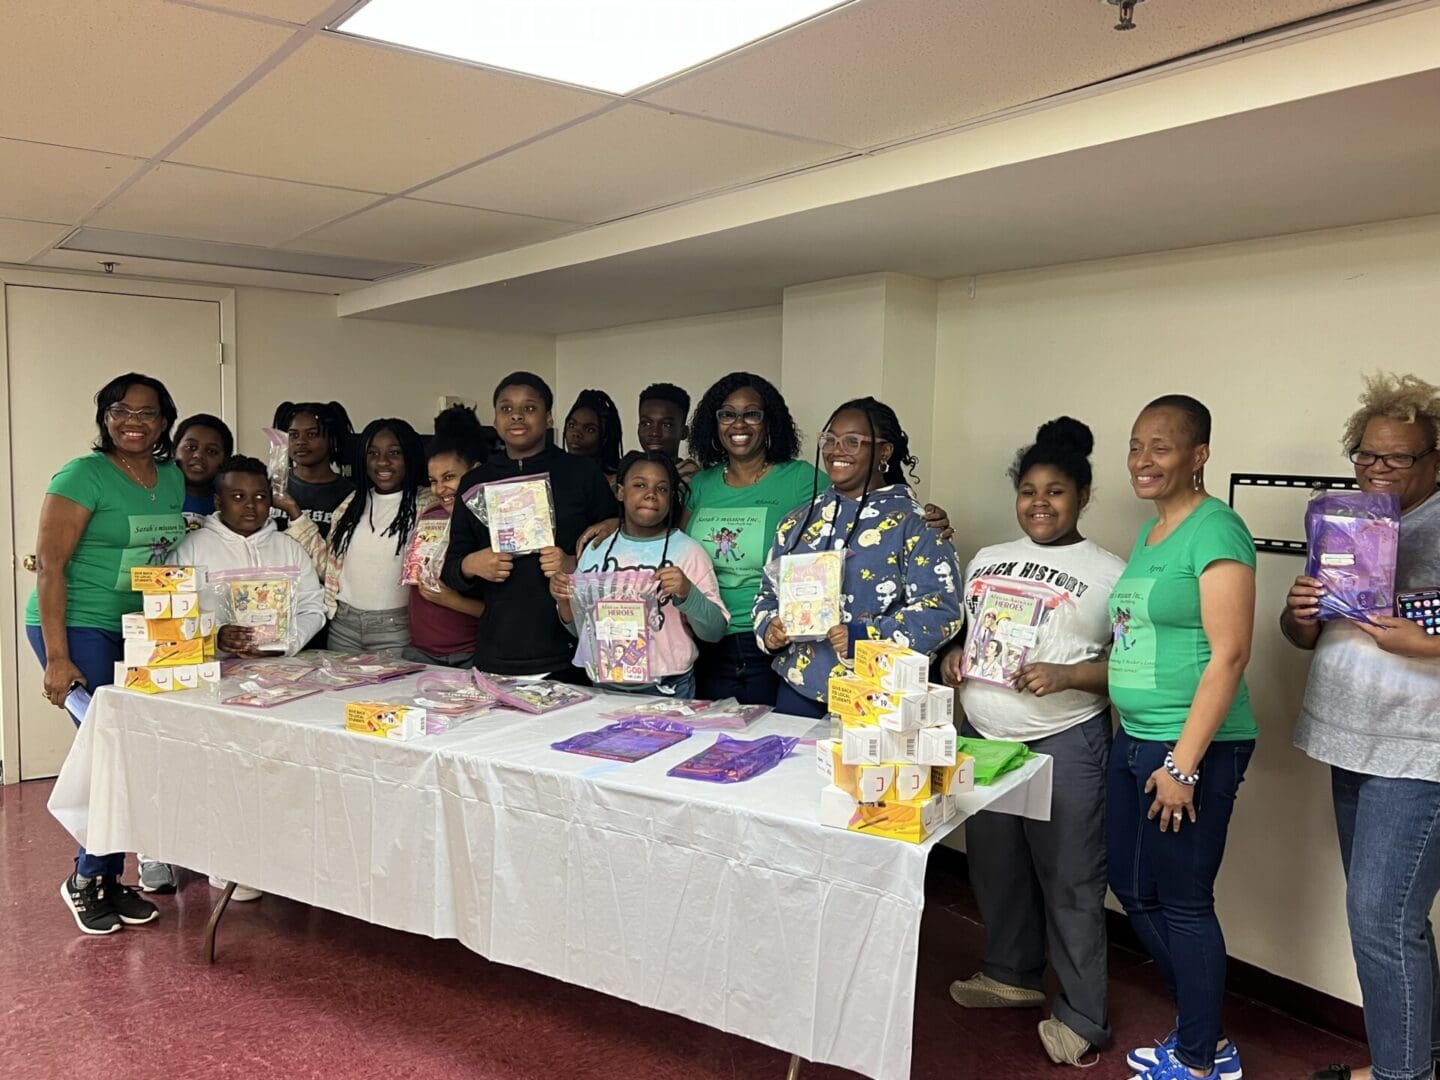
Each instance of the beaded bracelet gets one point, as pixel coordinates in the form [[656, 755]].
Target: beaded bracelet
[[1189, 780]]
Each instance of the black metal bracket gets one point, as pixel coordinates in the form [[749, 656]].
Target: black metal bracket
[[1291, 481]]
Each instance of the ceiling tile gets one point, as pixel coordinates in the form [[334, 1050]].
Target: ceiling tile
[[633, 158], [882, 70], [410, 230], [125, 76], [21, 240], [356, 115], [177, 200], [56, 183], [294, 11]]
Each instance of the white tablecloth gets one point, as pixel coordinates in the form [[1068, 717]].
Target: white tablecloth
[[727, 904]]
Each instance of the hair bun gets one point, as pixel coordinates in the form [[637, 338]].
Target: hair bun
[[457, 422], [1066, 433]]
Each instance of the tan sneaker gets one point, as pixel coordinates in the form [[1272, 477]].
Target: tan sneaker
[[982, 992], [1063, 1045]]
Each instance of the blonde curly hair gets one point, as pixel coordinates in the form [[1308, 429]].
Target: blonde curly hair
[[1407, 398]]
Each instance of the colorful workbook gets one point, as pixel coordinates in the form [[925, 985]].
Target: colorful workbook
[[520, 513], [1004, 630], [808, 590]]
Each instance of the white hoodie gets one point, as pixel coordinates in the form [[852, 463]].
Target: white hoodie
[[215, 546]]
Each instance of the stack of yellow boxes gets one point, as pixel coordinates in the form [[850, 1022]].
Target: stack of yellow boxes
[[894, 770], [170, 643]]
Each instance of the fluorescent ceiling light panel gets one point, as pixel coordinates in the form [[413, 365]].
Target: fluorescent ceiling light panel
[[613, 45]]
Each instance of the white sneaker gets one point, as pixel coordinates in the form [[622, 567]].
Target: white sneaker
[[243, 893]]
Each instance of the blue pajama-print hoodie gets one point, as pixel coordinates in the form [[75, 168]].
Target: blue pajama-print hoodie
[[900, 582]]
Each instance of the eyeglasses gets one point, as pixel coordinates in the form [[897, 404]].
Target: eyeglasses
[[120, 412], [750, 417], [851, 444], [1364, 458]]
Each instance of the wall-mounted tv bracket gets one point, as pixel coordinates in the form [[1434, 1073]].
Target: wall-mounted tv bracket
[[1286, 480]]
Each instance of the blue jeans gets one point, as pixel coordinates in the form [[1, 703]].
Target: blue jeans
[[1390, 848], [791, 703], [1166, 881], [735, 667], [95, 653], [681, 687]]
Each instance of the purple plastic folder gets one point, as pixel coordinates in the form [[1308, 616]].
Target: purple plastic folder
[[731, 760], [628, 740], [1353, 539]]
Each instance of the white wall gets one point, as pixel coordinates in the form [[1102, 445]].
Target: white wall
[[291, 345], [691, 353], [1273, 336]]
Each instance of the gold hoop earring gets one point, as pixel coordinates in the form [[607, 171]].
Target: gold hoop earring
[[1195, 481]]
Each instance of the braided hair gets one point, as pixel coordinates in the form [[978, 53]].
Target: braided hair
[[600, 403], [334, 423], [884, 427], [414, 451], [679, 493], [782, 437]]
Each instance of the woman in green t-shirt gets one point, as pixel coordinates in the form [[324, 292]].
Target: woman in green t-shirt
[[1181, 616], [104, 512]]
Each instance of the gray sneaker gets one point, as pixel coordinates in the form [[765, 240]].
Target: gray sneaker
[[1064, 1045], [982, 992], [156, 877]]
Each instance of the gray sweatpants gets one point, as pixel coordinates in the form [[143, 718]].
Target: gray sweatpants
[[1042, 883]]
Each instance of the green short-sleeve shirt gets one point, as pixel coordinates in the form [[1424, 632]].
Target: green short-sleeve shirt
[[129, 526], [1159, 648], [736, 526]]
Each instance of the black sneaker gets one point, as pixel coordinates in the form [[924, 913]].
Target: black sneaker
[[132, 908], [91, 908]]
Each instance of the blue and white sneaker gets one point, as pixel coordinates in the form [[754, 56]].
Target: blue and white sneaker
[[1168, 1067], [1227, 1058]]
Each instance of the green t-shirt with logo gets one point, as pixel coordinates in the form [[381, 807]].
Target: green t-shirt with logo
[[1159, 648], [736, 527], [129, 526]]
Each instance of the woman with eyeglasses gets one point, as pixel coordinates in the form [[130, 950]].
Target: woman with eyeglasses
[[1369, 713], [899, 577], [104, 512]]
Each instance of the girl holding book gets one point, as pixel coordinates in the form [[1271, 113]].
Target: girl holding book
[[649, 487], [361, 560], [897, 580], [442, 622], [1043, 882]]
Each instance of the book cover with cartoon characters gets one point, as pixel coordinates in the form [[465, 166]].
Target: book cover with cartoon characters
[[426, 551], [266, 607], [807, 589], [622, 636], [1002, 634], [520, 515]]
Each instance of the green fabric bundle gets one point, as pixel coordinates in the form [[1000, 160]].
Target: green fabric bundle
[[994, 757]]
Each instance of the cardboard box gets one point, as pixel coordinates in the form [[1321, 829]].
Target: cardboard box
[[862, 745], [937, 745], [163, 653], [863, 783], [908, 821], [942, 705], [146, 680], [164, 579], [911, 710], [384, 720], [912, 783], [209, 672], [183, 605], [901, 746], [956, 779], [136, 627], [156, 606], [890, 666], [208, 644], [186, 676]]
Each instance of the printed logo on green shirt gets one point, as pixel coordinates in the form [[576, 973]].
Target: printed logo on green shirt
[[733, 537], [1132, 654], [151, 538]]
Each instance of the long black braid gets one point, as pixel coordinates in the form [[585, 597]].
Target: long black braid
[[607, 455], [334, 423], [884, 427], [414, 450]]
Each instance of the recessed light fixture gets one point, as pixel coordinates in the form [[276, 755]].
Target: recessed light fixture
[[617, 46]]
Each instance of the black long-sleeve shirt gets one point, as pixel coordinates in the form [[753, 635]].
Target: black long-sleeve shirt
[[520, 632]]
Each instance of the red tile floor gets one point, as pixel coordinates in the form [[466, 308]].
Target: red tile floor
[[299, 992]]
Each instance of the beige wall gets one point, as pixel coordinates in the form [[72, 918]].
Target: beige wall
[[291, 345], [691, 353], [1272, 336]]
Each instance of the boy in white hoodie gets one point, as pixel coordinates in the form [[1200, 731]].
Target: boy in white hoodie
[[239, 535]]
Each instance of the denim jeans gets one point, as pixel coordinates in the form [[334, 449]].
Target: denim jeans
[[792, 703], [1166, 881], [450, 660], [356, 631], [95, 653], [735, 667], [1390, 848], [681, 687]]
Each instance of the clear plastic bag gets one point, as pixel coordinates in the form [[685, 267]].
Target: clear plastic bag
[[616, 612], [450, 698], [519, 512], [1005, 628], [535, 696], [808, 590], [701, 715], [1353, 539], [277, 459], [261, 599], [425, 553], [730, 761]]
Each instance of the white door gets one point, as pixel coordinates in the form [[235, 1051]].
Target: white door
[[64, 344]]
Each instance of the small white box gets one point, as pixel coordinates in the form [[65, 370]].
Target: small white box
[[902, 747], [862, 745], [912, 782], [932, 813], [157, 605], [208, 672], [186, 676], [908, 672], [183, 605], [937, 745], [836, 807], [942, 705], [947, 805], [132, 627], [953, 780], [912, 710]]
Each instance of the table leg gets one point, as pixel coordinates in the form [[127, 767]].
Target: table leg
[[214, 923], [793, 1071]]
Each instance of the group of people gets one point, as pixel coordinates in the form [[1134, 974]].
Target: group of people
[[1163, 636]]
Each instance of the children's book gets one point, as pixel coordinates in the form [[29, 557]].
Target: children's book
[[808, 589], [255, 696], [261, 599], [1004, 630], [622, 641], [425, 552], [520, 513], [531, 695]]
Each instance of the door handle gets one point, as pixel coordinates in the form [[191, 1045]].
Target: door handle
[[31, 564]]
